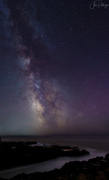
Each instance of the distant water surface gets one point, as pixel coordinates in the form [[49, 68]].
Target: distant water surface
[[100, 143]]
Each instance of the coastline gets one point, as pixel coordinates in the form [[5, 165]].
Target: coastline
[[100, 143], [97, 146], [93, 169], [52, 162]]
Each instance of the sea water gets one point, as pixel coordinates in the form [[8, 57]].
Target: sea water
[[100, 143], [96, 145]]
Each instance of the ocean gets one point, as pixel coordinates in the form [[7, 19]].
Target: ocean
[[96, 145], [100, 143]]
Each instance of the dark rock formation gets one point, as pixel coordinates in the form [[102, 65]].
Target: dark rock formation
[[93, 169], [14, 154]]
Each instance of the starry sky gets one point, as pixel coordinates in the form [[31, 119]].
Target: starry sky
[[54, 67]]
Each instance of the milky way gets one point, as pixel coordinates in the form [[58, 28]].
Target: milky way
[[55, 63]]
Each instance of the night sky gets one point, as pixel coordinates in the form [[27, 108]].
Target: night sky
[[54, 67]]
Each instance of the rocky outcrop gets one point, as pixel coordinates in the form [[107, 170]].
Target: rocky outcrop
[[16, 154], [94, 169]]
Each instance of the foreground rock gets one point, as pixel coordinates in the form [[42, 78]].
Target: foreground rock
[[14, 154], [94, 169]]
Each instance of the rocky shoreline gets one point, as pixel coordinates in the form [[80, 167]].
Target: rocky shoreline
[[93, 169], [14, 154]]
